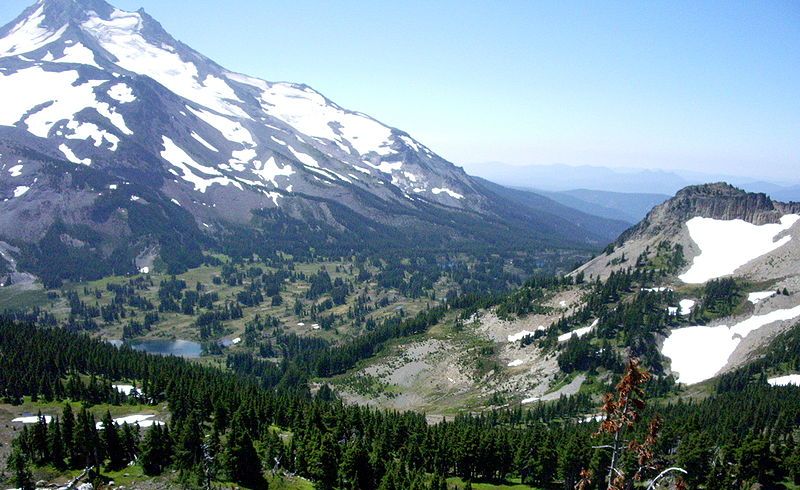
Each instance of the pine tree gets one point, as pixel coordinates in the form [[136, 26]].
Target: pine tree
[[129, 440], [242, 462], [114, 450], [39, 444], [86, 451], [189, 444], [152, 455], [56, 443], [68, 435], [438, 482], [354, 470], [18, 464]]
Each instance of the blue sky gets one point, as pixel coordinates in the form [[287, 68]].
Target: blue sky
[[706, 86]]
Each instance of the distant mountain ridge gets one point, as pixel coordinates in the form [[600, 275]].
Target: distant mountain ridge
[[560, 178], [628, 207]]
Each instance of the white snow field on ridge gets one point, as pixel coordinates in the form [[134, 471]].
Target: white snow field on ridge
[[698, 353], [727, 245], [789, 380], [759, 296]]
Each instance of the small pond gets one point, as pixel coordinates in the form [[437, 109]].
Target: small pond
[[165, 347]]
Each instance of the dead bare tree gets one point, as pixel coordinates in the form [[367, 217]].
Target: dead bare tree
[[622, 412]]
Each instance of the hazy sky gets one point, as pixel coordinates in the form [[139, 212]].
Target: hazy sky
[[709, 86]]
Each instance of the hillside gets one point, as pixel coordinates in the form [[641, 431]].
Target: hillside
[[628, 207]]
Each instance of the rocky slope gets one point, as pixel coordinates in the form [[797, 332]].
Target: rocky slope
[[668, 223]]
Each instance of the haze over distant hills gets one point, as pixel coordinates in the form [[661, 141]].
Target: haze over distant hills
[[561, 177]]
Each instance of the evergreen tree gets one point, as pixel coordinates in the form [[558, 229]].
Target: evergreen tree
[[152, 455], [129, 440], [241, 459], [189, 444], [68, 431], [56, 444], [40, 450], [85, 452], [438, 482], [18, 465], [354, 469], [114, 450], [695, 456]]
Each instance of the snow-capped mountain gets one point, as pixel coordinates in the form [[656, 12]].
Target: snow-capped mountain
[[101, 106], [84, 74]]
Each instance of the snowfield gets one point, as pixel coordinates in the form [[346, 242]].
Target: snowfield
[[727, 245], [453, 194], [686, 306], [578, 332], [125, 389], [142, 421], [32, 419], [121, 36], [698, 353], [792, 379], [173, 154], [760, 296], [310, 113], [29, 35], [519, 335], [67, 151], [79, 55], [121, 93]]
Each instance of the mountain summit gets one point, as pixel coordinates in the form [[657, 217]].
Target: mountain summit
[[116, 140], [724, 227]]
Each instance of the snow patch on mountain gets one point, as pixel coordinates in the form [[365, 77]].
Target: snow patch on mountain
[[727, 245], [789, 380], [312, 114], [121, 35], [78, 54], [578, 332], [49, 97], [759, 296], [231, 130], [268, 171], [86, 131], [29, 35], [301, 157], [698, 353], [173, 154], [453, 194], [121, 93], [203, 142], [67, 151]]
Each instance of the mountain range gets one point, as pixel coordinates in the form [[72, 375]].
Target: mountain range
[[120, 145], [560, 178]]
